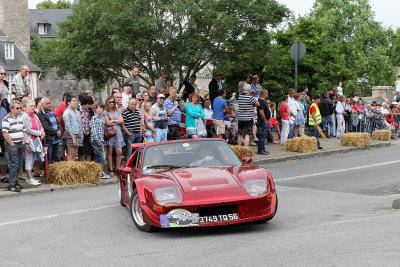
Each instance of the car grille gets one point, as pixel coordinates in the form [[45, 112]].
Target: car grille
[[217, 210]]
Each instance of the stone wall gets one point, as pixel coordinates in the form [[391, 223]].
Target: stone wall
[[384, 92], [14, 21]]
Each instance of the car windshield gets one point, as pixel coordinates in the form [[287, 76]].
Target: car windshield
[[188, 154]]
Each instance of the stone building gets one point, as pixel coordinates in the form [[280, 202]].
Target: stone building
[[14, 21], [43, 22]]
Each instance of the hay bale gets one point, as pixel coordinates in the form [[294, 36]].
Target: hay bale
[[381, 135], [355, 139], [307, 144], [70, 172], [304, 144], [242, 151], [291, 144]]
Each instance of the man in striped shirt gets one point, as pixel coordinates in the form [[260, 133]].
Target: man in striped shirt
[[246, 104], [133, 126], [14, 135]]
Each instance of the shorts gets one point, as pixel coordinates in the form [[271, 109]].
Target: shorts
[[87, 148], [219, 126], [191, 131], [68, 140], [245, 127]]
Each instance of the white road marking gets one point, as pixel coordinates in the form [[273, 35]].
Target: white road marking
[[337, 171], [56, 215]]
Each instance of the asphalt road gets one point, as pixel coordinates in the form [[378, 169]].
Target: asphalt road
[[337, 217]]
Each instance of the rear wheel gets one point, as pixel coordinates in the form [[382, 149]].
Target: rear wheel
[[136, 213], [120, 195]]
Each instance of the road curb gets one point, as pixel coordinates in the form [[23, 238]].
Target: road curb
[[53, 188], [320, 153]]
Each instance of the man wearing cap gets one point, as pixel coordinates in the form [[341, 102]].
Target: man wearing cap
[[160, 119], [314, 118], [134, 80], [126, 92]]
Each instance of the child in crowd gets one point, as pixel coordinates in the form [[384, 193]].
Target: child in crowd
[[274, 124], [97, 125], [150, 131], [299, 122]]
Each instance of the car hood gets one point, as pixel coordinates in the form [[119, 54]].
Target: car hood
[[206, 179]]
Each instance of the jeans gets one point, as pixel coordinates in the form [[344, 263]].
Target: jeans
[[53, 153], [99, 156], [131, 139], [326, 119], [161, 135], [173, 132], [291, 128], [315, 133], [15, 154], [262, 132]]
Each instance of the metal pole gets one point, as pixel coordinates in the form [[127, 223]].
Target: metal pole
[[295, 76]]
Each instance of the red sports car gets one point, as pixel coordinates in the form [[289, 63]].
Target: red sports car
[[196, 182]]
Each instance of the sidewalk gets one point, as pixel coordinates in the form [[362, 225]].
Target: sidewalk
[[277, 154]]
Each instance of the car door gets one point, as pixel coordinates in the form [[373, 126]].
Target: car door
[[128, 175]]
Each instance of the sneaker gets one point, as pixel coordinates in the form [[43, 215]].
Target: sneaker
[[18, 186], [320, 147], [13, 188], [253, 144], [37, 181], [104, 176], [32, 182], [4, 179]]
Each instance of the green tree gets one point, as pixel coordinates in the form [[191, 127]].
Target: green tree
[[38, 56], [171, 35], [49, 4]]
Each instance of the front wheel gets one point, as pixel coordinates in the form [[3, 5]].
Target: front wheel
[[136, 213]]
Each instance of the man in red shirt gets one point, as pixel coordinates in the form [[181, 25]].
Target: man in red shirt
[[285, 116], [58, 112]]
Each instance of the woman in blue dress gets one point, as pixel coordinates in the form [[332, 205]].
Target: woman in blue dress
[[113, 117]]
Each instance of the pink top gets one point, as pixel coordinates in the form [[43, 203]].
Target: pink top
[[357, 108], [36, 125], [283, 108]]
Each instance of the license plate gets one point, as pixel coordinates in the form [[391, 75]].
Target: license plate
[[219, 218]]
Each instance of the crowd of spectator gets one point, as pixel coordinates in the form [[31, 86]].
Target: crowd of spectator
[[80, 128]]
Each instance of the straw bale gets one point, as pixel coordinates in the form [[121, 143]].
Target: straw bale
[[381, 135], [242, 151], [304, 144], [307, 144], [70, 172], [355, 139]]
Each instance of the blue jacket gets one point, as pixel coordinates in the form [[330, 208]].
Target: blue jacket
[[192, 114], [73, 124]]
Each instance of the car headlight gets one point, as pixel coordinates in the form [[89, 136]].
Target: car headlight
[[169, 195], [256, 187]]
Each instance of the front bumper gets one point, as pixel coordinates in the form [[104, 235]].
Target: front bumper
[[247, 210]]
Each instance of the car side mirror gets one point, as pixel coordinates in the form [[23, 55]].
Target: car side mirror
[[247, 160], [127, 169]]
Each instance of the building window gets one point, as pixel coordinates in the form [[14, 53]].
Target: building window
[[9, 48], [42, 28]]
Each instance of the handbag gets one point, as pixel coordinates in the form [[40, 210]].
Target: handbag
[[109, 132], [200, 128]]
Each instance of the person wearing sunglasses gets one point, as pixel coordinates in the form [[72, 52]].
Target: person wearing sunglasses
[[4, 89], [14, 132], [20, 83]]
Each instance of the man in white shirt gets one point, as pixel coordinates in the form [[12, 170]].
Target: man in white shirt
[[340, 89], [208, 113], [339, 116], [126, 93], [293, 111]]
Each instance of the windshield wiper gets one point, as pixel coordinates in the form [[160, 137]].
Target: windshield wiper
[[165, 166]]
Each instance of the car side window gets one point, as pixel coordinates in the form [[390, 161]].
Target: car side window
[[139, 155]]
